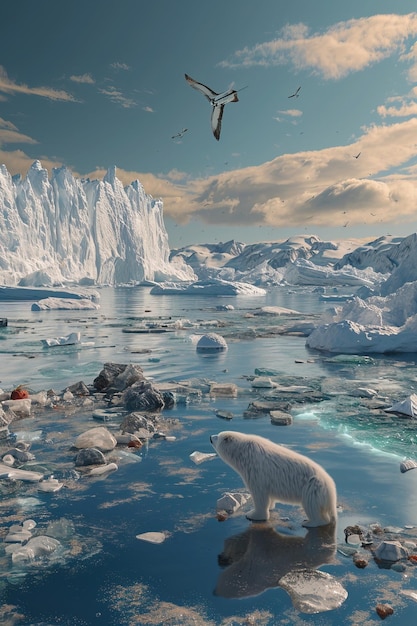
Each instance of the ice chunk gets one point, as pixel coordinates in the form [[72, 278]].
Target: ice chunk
[[35, 548], [406, 407], [312, 591], [200, 457], [103, 469], [211, 342], [19, 474], [405, 466], [21, 407], [51, 484], [152, 537], [69, 340], [98, 437]]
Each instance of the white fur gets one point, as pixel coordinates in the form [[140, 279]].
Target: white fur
[[274, 473]]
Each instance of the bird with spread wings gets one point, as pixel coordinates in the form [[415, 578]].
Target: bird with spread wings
[[217, 101]]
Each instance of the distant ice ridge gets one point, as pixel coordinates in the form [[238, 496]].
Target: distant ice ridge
[[69, 230]]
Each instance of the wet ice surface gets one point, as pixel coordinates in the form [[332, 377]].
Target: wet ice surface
[[94, 522]]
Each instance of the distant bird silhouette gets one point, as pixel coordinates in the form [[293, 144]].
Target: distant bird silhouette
[[180, 134], [356, 156], [217, 101], [296, 93]]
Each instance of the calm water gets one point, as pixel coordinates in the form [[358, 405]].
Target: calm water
[[105, 575]]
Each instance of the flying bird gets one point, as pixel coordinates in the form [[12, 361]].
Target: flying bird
[[180, 134], [356, 156], [296, 93], [217, 101]]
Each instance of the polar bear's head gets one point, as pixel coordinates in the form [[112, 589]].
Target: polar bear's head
[[232, 447]]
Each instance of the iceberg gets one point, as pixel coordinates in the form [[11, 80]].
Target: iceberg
[[68, 340], [67, 230]]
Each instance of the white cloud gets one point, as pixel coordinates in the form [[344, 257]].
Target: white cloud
[[405, 110], [118, 97], [83, 78], [119, 66], [148, 109], [343, 48], [10, 87]]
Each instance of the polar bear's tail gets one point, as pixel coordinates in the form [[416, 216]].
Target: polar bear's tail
[[319, 501]]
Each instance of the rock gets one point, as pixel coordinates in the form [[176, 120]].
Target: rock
[[211, 342], [79, 389], [280, 418], [89, 456], [21, 455], [134, 422], [98, 437], [107, 375], [169, 399], [130, 375], [360, 561], [390, 551], [143, 396], [383, 610]]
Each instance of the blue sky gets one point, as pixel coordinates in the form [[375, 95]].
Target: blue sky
[[91, 84]]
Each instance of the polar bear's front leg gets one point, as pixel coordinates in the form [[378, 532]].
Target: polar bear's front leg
[[261, 511]]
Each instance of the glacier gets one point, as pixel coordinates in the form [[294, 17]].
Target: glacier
[[67, 230]]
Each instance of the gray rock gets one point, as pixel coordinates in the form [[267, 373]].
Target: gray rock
[[134, 422], [390, 551], [107, 375], [79, 389], [89, 456], [143, 396]]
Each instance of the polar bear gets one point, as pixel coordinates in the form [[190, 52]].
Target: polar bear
[[274, 473]]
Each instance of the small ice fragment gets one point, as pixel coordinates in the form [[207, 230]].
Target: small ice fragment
[[223, 389], [29, 524], [406, 407], [21, 407], [312, 591], [407, 465], [200, 457], [409, 593], [170, 438], [103, 469], [35, 547], [69, 340], [152, 537], [51, 484], [263, 382], [19, 474]]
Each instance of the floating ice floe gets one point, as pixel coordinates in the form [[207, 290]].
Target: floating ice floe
[[211, 342], [64, 304], [152, 537], [200, 457], [213, 287], [69, 340], [312, 591], [51, 485], [231, 502], [405, 407], [19, 474]]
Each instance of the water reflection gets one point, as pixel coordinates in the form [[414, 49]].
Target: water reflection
[[258, 558]]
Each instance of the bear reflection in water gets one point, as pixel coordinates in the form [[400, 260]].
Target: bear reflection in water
[[259, 557]]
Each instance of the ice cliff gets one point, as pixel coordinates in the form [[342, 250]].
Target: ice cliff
[[65, 229]]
